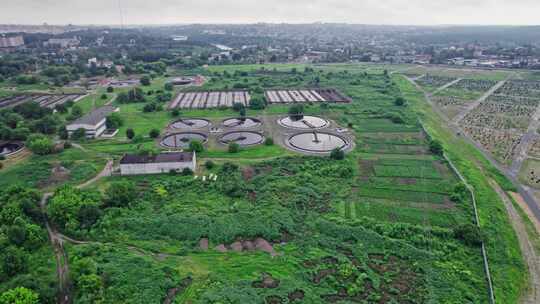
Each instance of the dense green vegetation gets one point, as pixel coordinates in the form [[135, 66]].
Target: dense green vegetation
[[387, 223]]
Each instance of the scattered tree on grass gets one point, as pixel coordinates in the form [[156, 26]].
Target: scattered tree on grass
[[337, 154], [269, 141], [114, 121], [400, 101], [436, 147], [196, 146], [145, 80], [110, 89], [234, 147], [154, 133], [130, 133], [296, 111], [40, 144], [209, 164]]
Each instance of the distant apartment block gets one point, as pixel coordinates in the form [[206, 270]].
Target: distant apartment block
[[11, 42]]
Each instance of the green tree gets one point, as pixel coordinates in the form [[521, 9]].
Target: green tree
[[168, 86], [436, 147], [14, 261], [78, 134], [40, 144], [76, 111], [19, 295], [114, 121], [120, 194], [399, 101], [337, 154], [110, 89], [154, 133], [196, 146], [130, 133], [145, 80], [234, 147], [296, 111]]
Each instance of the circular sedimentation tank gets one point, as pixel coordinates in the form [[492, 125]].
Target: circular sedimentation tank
[[317, 142], [190, 123], [10, 148], [304, 122], [246, 122], [244, 138], [182, 140]]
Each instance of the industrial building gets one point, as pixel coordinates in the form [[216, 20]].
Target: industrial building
[[94, 123], [133, 164]]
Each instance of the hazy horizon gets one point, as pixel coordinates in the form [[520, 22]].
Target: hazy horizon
[[368, 12]]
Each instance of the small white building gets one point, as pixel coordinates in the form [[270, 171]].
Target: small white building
[[94, 123], [132, 164]]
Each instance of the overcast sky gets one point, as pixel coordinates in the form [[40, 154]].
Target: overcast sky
[[518, 12]]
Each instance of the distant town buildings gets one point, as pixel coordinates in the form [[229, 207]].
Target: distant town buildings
[[63, 42], [11, 41]]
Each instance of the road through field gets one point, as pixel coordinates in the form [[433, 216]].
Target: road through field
[[528, 251]]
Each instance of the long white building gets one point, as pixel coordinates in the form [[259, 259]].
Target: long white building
[[133, 164]]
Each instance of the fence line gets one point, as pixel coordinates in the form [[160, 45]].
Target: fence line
[[477, 220]]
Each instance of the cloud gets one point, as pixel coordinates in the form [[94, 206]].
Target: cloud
[[249, 11]]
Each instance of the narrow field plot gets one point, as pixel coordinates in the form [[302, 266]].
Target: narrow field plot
[[530, 173], [501, 144], [407, 196], [432, 82], [405, 171], [392, 212]]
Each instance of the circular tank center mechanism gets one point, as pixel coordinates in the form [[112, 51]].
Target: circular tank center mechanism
[[317, 142], [304, 122], [246, 122], [10, 148], [190, 123], [242, 138], [182, 140]]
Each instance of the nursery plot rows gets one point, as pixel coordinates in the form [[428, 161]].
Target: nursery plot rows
[[205, 100], [44, 100], [305, 95], [477, 85], [522, 88], [434, 81]]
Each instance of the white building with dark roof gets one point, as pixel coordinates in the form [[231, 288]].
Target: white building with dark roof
[[133, 164], [94, 123]]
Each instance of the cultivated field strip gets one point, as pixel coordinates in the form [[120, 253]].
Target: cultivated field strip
[[44, 100], [208, 100], [305, 96]]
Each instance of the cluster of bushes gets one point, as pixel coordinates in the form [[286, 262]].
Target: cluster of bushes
[[21, 237]]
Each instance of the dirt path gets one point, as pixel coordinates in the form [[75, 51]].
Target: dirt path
[[57, 241], [475, 104], [446, 86], [527, 249]]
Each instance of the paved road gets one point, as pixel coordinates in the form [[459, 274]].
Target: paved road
[[475, 104]]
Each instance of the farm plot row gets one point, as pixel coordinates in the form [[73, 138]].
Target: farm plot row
[[501, 144], [476, 85], [433, 81], [305, 95], [520, 88], [451, 106], [44, 100], [206, 100]]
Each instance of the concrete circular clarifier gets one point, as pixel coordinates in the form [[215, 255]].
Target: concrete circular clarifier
[[190, 123], [304, 122], [246, 122], [317, 142], [182, 140], [243, 138]]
